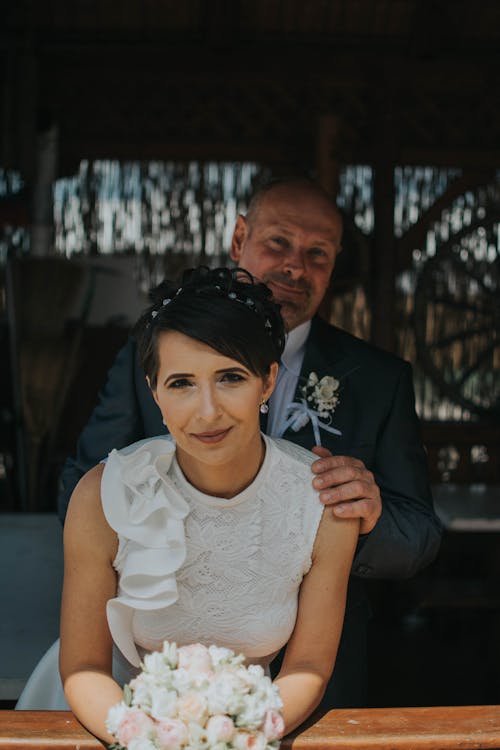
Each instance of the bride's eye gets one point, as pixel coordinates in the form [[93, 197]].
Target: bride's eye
[[179, 383], [232, 377]]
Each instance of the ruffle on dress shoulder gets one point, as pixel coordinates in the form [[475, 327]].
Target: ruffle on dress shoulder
[[147, 512]]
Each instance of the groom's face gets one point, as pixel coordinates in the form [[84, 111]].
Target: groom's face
[[290, 242]]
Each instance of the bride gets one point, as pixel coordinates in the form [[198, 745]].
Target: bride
[[215, 535]]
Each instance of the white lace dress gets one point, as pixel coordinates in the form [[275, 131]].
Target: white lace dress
[[197, 568]]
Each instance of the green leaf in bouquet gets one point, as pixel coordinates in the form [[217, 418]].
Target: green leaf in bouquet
[[127, 695]]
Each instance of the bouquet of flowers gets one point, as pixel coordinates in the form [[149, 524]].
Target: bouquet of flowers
[[197, 698]]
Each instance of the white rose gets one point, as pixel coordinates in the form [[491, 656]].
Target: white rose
[[116, 715], [329, 381], [192, 707], [184, 681], [254, 708], [325, 391], [220, 728], [195, 657], [171, 734], [225, 693], [163, 703]]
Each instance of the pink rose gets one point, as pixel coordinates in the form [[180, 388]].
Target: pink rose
[[194, 658], [273, 725], [135, 723], [172, 734], [249, 741], [220, 728], [192, 707]]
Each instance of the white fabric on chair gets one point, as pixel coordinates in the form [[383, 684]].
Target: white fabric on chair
[[43, 690]]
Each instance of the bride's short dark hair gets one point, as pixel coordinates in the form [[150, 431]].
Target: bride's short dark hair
[[221, 307]]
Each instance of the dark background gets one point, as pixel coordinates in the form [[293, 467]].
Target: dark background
[[291, 85]]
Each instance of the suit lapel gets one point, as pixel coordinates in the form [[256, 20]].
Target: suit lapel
[[324, 355]]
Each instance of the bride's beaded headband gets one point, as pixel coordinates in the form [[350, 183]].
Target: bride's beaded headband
[[247, 301]]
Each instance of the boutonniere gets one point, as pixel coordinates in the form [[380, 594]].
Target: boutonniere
[[319, 400], [322, 394]]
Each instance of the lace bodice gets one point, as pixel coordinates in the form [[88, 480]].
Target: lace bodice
[[196, 568]]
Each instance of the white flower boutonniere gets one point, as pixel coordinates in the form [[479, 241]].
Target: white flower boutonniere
[[323, 394], [319, 400]]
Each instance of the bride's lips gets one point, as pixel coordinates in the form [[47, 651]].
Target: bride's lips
[[214, 436]]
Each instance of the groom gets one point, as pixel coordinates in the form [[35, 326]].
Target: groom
[[372, 463]]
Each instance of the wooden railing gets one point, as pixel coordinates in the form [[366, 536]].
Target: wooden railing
[[449, 728]]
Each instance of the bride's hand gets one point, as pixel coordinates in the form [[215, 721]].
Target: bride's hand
[[349, 486]]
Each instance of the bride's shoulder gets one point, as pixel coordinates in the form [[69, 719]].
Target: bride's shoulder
[[85, 524], [292, 462], [292, 453], [88, 488]]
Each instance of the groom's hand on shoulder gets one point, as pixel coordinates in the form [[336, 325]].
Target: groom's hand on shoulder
[[345, 483]]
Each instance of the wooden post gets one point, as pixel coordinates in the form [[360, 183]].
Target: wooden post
[[384, 263], [328, 165], [42, 228], [23, 92], [328, 148]]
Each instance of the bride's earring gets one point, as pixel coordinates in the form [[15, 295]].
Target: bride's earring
[[164, 423], [263, 408]]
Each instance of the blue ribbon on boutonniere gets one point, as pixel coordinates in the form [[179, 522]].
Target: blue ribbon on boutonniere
[[299, 414], [323, 396]]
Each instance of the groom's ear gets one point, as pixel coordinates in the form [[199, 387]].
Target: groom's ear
[[239, 235]]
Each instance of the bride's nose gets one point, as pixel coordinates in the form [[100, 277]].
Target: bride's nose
[[208, 406]]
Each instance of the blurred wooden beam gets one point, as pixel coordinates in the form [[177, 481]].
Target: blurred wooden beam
[[328, 154], [383, 287]]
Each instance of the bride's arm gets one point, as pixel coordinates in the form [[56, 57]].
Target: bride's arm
[[89, 581], [312, 649]]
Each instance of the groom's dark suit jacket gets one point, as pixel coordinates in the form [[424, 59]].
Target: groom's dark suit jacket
[[376, 416]]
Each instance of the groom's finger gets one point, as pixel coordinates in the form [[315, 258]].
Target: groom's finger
[[321, 451]]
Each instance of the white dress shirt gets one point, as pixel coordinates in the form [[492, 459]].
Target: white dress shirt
[[288, 375]]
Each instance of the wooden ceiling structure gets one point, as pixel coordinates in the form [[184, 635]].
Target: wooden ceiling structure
[[286, 83], [411, 81]]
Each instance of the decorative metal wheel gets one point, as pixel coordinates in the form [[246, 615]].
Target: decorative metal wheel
[[457, 316]]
